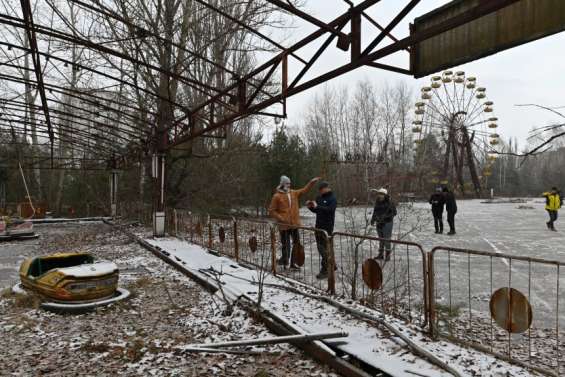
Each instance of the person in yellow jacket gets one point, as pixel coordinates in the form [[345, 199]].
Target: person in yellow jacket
[[553, 202], [284, 209]]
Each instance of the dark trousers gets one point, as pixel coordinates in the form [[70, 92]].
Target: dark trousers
[[438, 221], [384, 231], [322, 244], [286, 236], [451, 221], [552, 218]]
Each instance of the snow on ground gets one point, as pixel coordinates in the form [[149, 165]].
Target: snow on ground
[[371, 344], [142, 336]]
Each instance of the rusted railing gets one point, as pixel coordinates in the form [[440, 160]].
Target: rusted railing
[[395, 285], [504, 304]]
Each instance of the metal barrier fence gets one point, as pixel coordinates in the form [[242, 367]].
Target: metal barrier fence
[[503, 304], [397, 285], [256, 241]]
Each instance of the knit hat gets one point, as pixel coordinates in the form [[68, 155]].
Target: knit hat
[[383, 191], [323, 185], [284, 180]]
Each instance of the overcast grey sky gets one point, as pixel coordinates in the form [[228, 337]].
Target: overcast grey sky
[[531, 73]]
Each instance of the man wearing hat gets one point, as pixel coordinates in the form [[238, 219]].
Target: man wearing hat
[[383, 217], [324, 207], [284, 208]]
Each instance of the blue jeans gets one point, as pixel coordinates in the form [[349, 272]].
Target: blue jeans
[[384, 230]]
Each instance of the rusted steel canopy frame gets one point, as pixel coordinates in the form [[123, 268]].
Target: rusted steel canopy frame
[[57, 34], [90, 45], [16, 22], [30, 31], [17, 67], [65, 165], [84, 135], [65, 90], [478, 11], [390, 68], [100, 73], [246, 27], [83, 96], [305, 16], [305, 41], [261, 84], [114, 133], [130, 132], [395, 21], [67, 161], [315, 57], [86, 147], [56, 89], [109, 13]]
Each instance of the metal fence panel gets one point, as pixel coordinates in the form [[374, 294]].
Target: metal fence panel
[[402, 285], [504, 304]]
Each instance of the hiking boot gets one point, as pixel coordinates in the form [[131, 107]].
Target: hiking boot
[[451, 233], [322, 275], [380, 256], [294, 267], [387, 256], [548, 225], [281, 262]]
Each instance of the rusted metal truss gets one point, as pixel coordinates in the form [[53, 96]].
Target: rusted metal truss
[[103, 127]]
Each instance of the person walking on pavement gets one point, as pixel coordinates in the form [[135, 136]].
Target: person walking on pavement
[[383, 217], [324, 207], [451, 208], [553, 202], [284, 208], [437, 200]]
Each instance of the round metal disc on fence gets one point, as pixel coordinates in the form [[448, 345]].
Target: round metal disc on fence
[[252, 243], [511, 310], [222, 234], [372, 274], [298, 257]]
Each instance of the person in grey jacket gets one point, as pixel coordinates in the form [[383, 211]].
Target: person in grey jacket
[[383, 218]]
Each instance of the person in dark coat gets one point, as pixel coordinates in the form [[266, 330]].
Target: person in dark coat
[[383, 217], [324, 207], [437, 200], [451, 208]]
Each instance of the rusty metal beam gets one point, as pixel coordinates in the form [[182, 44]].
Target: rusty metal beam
[[30, 32], [391, 68], [395, 21], [344, 18], [247, 27], [478, 11], [311, 19]]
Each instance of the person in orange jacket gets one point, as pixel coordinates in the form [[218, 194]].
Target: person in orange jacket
[[284, 208]]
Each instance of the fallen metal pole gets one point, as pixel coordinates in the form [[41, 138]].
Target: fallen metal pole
[[416, 349], [275, 340], [216, 350]]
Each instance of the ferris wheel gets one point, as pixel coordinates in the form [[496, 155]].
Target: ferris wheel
[[454, 121]]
